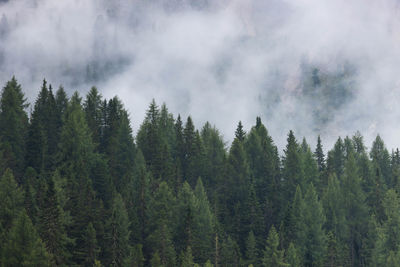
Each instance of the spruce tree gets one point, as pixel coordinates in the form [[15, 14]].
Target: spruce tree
[[52, 226], [204, 221], [319, 155], [13, 127], [24, 246], [161, 210], [117, 234], [273, 256]]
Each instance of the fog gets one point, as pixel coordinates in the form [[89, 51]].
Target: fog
[[219, 61]]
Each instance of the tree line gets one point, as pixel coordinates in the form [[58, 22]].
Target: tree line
[[78, 189]]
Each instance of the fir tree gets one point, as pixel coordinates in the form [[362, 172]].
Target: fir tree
[[13, 127], [273, 256], [24, 246]]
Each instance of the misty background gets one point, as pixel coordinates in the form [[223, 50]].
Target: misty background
[[316, 67]]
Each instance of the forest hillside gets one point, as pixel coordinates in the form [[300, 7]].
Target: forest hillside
[[77, 188]]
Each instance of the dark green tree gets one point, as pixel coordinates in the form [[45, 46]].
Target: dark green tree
[[24, 246], [161, 212], [13, 127], [117, 234], [273, 256]]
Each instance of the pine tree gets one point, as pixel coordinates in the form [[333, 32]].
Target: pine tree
[[235, 193], [52, 226], [189, 139], [309, 165], [251, 250], [138, 202], [91, 248], [13, 127], [292, 257], [336, 224], [381, 160], [93, 112], [37, 144], [161, 210], [187, 258], [292, 167], [230, 253], [24, 246], [336, 159], [11, 199], [319, 156], [149, 139], [356, 209], [240, 134], [264, 166], [314, 219], [75, 163], [185, 218], [273, 256], [388, 242], [203, 220], [117, 231], [215, 154]]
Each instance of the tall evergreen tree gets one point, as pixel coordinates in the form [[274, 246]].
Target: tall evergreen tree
[[117, 229], [159, 240], [13, 127], [319, 155], [24, 246], [204, 221], [273, 256], [94, 114], [52, 226], [356, 210]]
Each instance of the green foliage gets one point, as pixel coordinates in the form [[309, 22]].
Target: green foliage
[[273, 256], [13, 127], [118, 233], [86, 194], [11, 199], [24, 246]]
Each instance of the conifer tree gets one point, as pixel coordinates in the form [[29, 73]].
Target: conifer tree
[[37, 144], [13, 127], [186, 211], [230, 253], [292, 256], [319, 156], [94, 115], [336, 159], [24, 246], [91, 248], [203, 220], [309, 165], [117, 231], [314, 244], [240, 134], [273, 256], [159, 240], [388, 242], [251, 249], [356, 210], [52, 226], [75, 163], [214, 157], [292, 170], [11, 199]]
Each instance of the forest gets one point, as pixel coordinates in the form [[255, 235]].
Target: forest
[[77, 188]]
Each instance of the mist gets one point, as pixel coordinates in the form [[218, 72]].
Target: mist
[[316, 67]]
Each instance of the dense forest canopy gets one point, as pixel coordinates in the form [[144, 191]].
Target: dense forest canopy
[[78, 189]]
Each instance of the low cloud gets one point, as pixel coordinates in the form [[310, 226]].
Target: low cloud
[[316, 67]]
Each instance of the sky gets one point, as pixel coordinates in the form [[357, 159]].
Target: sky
[[219, 61]]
